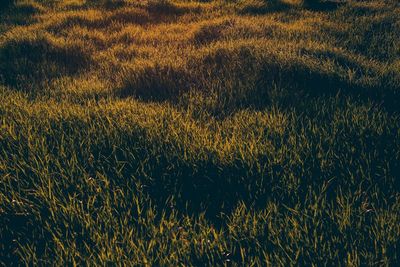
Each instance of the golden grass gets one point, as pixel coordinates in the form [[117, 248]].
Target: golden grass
[[199, 133]]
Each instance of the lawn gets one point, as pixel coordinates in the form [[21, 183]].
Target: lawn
[[200, 133]]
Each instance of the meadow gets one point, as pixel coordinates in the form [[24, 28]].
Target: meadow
[[200, 133]]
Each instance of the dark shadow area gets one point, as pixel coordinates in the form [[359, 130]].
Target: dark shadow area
[[18, 14], [5, 4], [20, 228], [156, 83], [211, 32], [107, 4], [210, 187], [25, 64], [322, 5], [169, 8], [262, 7], [9, 7]]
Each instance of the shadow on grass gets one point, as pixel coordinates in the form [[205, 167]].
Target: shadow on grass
[[261, 7], [6, 4], [21, 13], [18, 229], [322, 5], [168, 8], [156, 83], [27, 63], [239, 78]]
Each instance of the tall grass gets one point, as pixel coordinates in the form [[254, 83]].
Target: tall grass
[[200, 133]]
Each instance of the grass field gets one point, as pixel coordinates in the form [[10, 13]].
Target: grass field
[[200, 133]]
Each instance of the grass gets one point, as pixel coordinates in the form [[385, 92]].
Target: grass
[[199, 133]]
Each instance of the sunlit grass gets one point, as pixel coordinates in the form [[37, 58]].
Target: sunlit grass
[[200, 133]]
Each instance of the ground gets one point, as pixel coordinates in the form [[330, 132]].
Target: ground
[[200, 133]]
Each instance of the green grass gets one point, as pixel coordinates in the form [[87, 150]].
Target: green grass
[[196, 133]]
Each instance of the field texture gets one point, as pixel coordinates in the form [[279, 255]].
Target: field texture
[[200, 133]]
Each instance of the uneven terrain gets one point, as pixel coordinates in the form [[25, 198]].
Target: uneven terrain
[[200, 133]]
